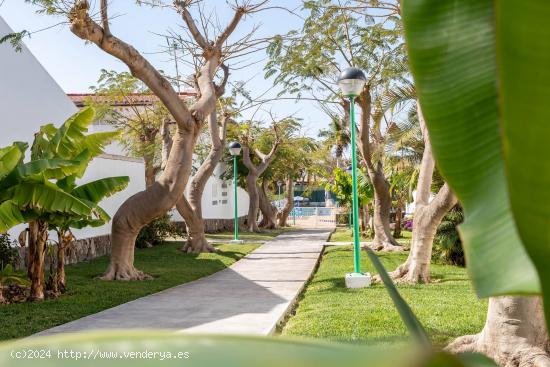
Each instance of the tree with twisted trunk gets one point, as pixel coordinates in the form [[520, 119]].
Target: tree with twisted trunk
[[334, 35], [283, 214], [372, 141], [293, 161], [190, 204], [168, 189], [268, 210], [254, 172], [125, 103], [427, 216]]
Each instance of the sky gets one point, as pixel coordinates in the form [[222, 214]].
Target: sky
[[76, 66]]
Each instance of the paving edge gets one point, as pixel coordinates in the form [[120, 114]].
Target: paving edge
[[293, 305]]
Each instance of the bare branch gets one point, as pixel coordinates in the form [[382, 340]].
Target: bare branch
[[181, 6], [86, 28]]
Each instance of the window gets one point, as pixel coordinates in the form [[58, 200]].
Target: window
[[224, 202], [215, 202], [224, 193]]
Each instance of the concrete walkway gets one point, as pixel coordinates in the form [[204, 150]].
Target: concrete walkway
[[250, 297]]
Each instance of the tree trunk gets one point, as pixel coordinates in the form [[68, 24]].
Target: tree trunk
[[254, 172], [2, 299], [371, 139], [190, 205], [398, 217], [427, 216], [383, 240], [254, 203], [196, 237], [289, 205], [141, 208], [416, 268], [365, 219], [514, 334], [149, 170], [269, 212], [38, 236], [65, 238], [194, 224], [166, 143], [161, 196]]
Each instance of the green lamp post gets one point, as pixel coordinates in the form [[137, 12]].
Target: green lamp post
[[351, 82], [235, 150], [350, 221]]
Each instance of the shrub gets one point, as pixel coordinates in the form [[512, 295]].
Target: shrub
[[9, 255], [155, 232], [448, 246]]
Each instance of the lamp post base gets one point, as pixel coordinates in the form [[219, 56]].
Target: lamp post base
[[358, 280], [236, 242]]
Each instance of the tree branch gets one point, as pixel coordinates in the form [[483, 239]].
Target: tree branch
[[83, 26], [181, 7]]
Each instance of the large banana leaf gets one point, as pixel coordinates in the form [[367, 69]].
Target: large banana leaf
[[49, 168], [453, 58], [523, 57], [9, 159], [96, 142], [45, 197], [68, 140], [97, 218], [96, 191], [154, 348], [10, 215]]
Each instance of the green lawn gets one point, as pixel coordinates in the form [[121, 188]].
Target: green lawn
[[87, 295], [447, 308], [344, 234]]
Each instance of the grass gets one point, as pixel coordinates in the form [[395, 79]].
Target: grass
[[87, 295], [447, 307], [346, 235]]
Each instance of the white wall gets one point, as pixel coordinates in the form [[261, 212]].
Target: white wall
[[105, 167], [217, 199], [30, 98]]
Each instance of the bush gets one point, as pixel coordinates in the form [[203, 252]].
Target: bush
[[155, 232], [448, 246], [9, 255]]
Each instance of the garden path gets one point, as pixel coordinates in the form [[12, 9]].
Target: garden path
[[252, 296]]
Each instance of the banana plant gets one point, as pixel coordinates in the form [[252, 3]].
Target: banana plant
[[43, 191]]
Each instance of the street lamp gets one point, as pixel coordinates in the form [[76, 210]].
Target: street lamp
[[279, 184], [235, 150], [350, 221], [351, 82]]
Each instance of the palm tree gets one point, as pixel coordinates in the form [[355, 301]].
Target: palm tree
[[337, 136]]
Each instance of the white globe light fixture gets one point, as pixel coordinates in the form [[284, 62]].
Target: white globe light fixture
[[234, 148], [351, 82]]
